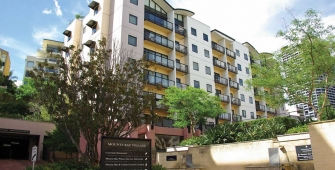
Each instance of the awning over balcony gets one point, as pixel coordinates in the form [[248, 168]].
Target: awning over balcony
[[91, 23], [93, 4], [89, 43], [67, 33], [65, 49]]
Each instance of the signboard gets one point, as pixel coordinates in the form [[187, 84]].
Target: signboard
[[304, 152], [34, 154], [125, 154], [14, 131]]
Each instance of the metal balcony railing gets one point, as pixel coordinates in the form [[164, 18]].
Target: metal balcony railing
[[259, 107], [221, 80], [271, 110], [158, 39], [218, 47], [181, 48], [182, 67], [153, 57], [232, 68], [154, 80], [230, 53], [224, 116], [180, 30], [237, 118], [219, 63], [223, 98], [236, 101], [182, 86], [234, 84], [158, 20]]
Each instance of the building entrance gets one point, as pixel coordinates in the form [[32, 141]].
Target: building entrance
[[16, 146]]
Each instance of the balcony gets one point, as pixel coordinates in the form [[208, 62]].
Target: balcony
[[237, 118], [182, 86], [165, 123], [234, 84], [158, 21], [182, 68], [154, 80], [271, 110], [259, 107], [224, 116], [223, 98], [181, 48], [232, 68], [157, 58], [180, 30], [158, 39], [219, 63], [236, 101], [218, 47], [230, 53], [258, 117], [221, 80]]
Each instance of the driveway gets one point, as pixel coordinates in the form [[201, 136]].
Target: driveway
[[9, 164]]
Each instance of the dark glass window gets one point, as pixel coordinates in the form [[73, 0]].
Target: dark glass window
[[193, 31], [132, 40], [194, 48], [205, 36]]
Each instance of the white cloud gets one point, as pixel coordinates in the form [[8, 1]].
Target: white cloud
[[46, 11], [57, 9], [18, 83], [88, 1], [243, 20], [45, 33], [21, 49], [329, 20]]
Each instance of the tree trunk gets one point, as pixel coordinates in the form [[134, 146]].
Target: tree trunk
[[192, 129]]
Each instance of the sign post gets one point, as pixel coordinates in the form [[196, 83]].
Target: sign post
[[125, 154], [34, 155]]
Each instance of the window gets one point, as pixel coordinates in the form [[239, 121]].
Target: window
[[27, 73], [194, 48], [208, 70], [237, 52], [205, 36], [241, 82], [195, 66], [246, 57], [132, 19], [252, 115], [94, 29], [132, 40], [239, 67], [217, 91], [92, 48], [135, 2], [67, 54], [251, 101], [209, 88], [247, 70], [69, 37], [193, 31], [244, 113], [196, 84], [242, 97], [30, 64], [96, 10], [84, 29], [206, 53]]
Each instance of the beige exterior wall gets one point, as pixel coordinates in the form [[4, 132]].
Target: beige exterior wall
[[323, 144], [4, 57], [239, 156]]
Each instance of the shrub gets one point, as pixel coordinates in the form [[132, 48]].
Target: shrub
[[194, 141], [298, 129], [65, 165], [157, 167]]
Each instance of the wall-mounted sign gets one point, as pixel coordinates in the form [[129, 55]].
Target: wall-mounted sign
[[304, 152], [171, 158], [125, 154], [14, 131]]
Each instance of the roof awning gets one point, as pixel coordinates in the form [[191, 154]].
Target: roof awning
[[91, 23], [89, 43], [93, 4], [67, 32], [65, 49]]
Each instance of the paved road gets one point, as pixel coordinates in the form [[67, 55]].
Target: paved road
[[8, 164]]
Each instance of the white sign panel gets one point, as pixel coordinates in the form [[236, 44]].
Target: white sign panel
[[34, 153]]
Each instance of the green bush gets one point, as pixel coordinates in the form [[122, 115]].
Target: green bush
[[194, 141], [65, 165], [298, 129], [157, 167]]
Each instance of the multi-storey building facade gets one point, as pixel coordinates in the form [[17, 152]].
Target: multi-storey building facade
[[5, 62], [185, 52], [42, 54]]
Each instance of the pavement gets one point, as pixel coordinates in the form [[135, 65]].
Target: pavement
[[9, 164]]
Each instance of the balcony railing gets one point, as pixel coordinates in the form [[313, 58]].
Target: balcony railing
[[270, 110], [259, 107], [154, 80], [219, 63], [232, 68], [180, 30], [230, 53], [165, 123], [221, 80], [48, 70], [234, 84], [157, 38], [52, 60], [224, 116], [181, 48], [159, 21], [236, 101], [159, 59], [223, 98], [182, 86], [182, 67], [237, 118], [218, 47]]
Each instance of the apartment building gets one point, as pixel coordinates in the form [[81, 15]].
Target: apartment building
[[5, 62], [185, 52], [42, 54]]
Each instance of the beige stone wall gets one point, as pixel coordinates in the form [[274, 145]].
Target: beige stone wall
[[323, 144]]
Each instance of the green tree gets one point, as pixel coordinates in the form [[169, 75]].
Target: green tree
[[101, 97], [310, 64], [191, 106], [58, 140], [329, 111]]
